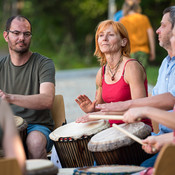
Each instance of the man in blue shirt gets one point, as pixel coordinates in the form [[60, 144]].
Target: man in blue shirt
[[164, 91]]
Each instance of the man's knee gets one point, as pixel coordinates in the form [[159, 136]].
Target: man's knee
[[36, 139]]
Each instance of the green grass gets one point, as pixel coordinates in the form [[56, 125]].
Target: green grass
[[152, 74]]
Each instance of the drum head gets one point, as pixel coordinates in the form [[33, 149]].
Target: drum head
[[37, 164], [40, 167], [110, 139], [18, 120], [108, 170], [77, 130]]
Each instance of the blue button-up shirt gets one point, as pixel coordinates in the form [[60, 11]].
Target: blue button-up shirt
[[165, 83]]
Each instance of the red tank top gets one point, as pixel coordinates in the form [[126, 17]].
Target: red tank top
[[119, 91]]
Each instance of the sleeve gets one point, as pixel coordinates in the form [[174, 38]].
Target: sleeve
[[47, 71]]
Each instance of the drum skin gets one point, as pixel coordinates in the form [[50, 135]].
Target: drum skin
[[71, 142], [113, 147], [108, 170], [40, 167]]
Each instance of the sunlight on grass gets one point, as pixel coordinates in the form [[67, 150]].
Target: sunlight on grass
[[152, 74]]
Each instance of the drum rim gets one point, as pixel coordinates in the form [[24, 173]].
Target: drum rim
[[80, 170], [55, 137]]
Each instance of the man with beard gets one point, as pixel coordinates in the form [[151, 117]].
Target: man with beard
[[27, 82]]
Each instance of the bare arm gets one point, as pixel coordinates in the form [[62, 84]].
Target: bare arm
[[151, 39], [164, 101], [135, 77], [12, 144], [43, 100], [158, 115]]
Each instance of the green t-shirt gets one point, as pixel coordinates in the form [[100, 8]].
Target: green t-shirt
[[26, 80]]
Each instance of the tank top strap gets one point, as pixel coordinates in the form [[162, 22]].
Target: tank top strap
[[125, 65]]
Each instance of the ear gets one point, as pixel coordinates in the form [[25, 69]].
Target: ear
[[5, 34], [124, 41]]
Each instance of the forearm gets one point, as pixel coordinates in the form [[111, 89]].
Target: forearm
[[37, 102], [160, 116], [164, 101], [13, 148]]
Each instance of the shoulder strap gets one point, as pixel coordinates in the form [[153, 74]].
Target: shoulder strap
[[125, 65]]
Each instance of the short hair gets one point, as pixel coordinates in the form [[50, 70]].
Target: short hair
[[19, 17], [119, 29], [170, 10]]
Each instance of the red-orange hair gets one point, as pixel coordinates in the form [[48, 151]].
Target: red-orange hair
[[119, 29]]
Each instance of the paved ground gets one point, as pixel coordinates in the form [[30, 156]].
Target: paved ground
[[71, 83]]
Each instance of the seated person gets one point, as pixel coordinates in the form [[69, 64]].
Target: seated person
[[120, 78], [9, 138], [27, 83], [164, 91]]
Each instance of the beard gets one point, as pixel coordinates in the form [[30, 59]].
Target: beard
[[20, 50]]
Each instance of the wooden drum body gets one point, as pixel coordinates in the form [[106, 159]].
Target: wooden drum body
[[108, 170], [40, 167], [21, 125], [71, 142], [113, 147]]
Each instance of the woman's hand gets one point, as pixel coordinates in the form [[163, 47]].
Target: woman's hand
[[84, 119], [85, 103]]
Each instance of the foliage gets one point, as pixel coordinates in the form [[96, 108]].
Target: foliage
[[152, 74], [64, 29]]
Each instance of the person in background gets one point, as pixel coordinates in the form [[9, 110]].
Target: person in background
[[9, 137], [27, 83], [120, 78], [140, 32], [118, 15], [164, 91]]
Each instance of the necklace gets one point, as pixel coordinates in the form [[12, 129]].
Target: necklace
[[116, 67]]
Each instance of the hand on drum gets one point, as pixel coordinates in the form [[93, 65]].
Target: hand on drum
[[85, 103], [113, 106], [84, 119], [134, 115]]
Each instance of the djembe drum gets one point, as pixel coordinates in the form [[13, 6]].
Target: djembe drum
[[71, 142], [108, 170], [40, 167], [21, 125], [113, 147]]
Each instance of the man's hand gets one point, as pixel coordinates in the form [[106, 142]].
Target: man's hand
[[134, 115], [5, 96]]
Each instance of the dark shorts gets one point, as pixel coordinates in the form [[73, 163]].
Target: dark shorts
[[44, 130]]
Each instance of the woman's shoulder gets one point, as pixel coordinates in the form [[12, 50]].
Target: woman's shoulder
[[132, 64]]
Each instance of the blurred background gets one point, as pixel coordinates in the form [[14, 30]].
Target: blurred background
[[64, 29]]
